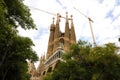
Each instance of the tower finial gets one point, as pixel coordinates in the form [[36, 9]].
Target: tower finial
[[67, 15], [72, 19], [58, 17], [53, 20]]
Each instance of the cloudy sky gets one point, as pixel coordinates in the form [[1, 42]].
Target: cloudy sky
[[104, 13]]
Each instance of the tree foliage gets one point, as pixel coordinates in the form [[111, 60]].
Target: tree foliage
[[17, 12], [15, 49], [83, 62]]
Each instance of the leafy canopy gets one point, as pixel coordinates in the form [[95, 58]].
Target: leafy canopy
[[15, 49], [83, 62]]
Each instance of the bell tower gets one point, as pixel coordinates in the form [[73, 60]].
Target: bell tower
[[57, 33], [72, 32], [51, 40]]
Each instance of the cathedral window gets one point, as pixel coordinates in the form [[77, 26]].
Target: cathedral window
[[61, 43]]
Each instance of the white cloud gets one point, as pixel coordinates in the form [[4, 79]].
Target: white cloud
[[105, 29], [116, 11]]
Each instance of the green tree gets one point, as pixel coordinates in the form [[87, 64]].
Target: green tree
[[16, 11], [83, 62], [15, 49]]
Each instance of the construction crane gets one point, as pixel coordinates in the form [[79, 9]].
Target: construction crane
[[49, 13], [90, 20]]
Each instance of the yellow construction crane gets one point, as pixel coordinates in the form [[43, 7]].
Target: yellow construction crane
[[90, 20], [49, 12]]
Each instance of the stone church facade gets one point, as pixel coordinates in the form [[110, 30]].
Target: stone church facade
[[58, 44]]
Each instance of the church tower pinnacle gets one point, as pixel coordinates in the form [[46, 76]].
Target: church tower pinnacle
[[51, 40], [66, 34], [57, 33], [72, 32]]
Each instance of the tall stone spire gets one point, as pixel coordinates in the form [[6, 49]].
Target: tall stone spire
[[31, 68], [41, 61], [67, 34], [51, 40], [72, 32], [57, 33]]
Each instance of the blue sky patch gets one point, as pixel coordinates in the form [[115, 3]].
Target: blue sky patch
[[42, 31], [109, 14], [116, 17], [58, 1], [117, 3], [100, 1]]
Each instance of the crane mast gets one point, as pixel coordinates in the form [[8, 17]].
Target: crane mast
[[90, 20], [94, 42]]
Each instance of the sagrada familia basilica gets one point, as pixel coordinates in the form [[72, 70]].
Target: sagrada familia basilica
[[58, 44]]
